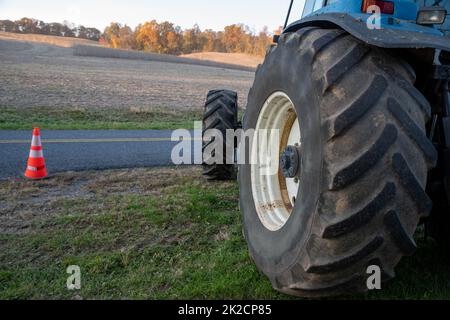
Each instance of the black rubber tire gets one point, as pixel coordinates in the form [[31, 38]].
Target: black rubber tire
[[364, 165], [221, 113]]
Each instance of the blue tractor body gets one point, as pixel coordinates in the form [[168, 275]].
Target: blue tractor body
[[398, 29], [404, 15]]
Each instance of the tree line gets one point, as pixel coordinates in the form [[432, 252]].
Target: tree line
[[164, 37], [167, 38], [65, 29]]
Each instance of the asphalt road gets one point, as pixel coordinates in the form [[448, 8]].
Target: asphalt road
[[87, 150]]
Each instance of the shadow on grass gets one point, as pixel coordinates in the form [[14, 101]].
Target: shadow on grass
[[425, 275]]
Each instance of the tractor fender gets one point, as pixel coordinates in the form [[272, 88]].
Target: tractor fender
[[384, 38]]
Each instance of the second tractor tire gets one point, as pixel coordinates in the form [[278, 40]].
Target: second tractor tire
[[221, 113]]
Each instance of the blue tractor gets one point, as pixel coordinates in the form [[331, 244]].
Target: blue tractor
[[355, 99]]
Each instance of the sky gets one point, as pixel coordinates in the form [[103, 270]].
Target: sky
[[208, 14]]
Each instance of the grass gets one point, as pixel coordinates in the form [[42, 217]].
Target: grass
[[96, 119], [174, 238]]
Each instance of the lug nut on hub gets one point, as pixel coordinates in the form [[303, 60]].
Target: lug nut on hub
[[290, 161]]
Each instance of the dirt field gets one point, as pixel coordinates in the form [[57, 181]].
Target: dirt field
[[53, 40], [103, 52], [231, 58], [40, 75]]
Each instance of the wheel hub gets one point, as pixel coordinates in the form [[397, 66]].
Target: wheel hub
[[275, 192], [290, 162]]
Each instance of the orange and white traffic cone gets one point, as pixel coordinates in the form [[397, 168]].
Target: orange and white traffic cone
[[36, 163]]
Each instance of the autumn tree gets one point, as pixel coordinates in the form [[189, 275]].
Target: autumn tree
[[148, 37], [93, 34], [82, 33], [127, 39], [8, 26], [27, 25], [116, 35], [209, 41], [235, 38], [68, 29], [87, 33], [54, 29], [174, 40], [191, 40], [112, 34], [263, 41]]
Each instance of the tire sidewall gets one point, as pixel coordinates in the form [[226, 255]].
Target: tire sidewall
[[288, 70]]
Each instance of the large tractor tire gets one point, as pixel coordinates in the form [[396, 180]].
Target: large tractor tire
[[221, 113], [354, 157]]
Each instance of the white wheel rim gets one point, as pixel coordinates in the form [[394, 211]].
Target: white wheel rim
[[273, 194]]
